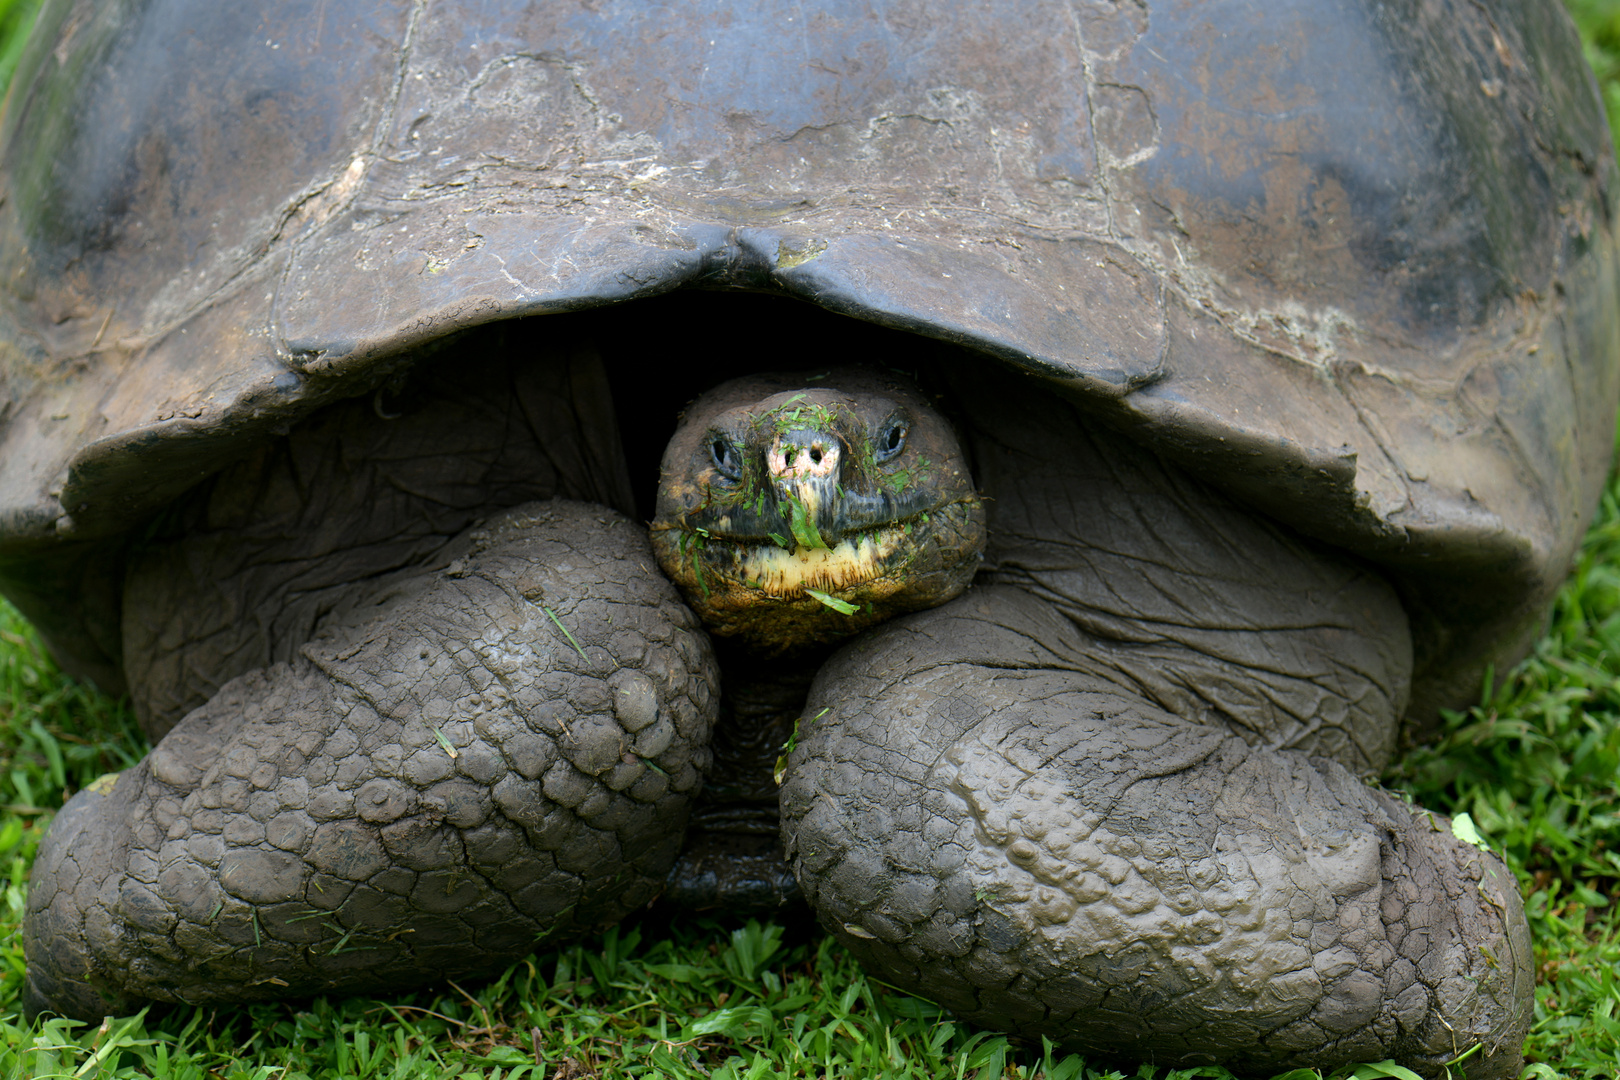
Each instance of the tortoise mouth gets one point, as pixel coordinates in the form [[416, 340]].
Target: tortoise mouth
[[869, 567], [776, 566]]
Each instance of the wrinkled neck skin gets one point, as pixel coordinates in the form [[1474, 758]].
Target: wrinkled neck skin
[[793, 512], [796, 510]]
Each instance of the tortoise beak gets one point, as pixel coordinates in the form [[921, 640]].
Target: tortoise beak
[[806, 467]]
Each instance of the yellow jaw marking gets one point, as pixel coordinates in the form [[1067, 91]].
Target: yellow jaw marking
[[785, 573]]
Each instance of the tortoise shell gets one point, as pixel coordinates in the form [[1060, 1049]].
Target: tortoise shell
[[1354, 262]]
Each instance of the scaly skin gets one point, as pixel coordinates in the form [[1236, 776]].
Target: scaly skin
[[1042, 851], [236, 575], [442, 779], [1108, 795]]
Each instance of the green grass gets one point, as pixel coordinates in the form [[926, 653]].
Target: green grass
[[1536, 766], [16, 16], [1599, 21]]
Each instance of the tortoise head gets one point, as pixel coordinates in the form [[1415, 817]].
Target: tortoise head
[[795, 510]]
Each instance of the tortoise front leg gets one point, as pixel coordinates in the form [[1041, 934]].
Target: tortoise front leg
[[987, 819], [461, 762], [1107, 795]]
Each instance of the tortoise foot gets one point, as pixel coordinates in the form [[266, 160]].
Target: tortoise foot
[[1044, 852], [463, 761]]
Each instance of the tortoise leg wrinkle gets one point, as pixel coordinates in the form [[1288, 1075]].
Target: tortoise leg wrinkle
[[463, 760], [990, 822]]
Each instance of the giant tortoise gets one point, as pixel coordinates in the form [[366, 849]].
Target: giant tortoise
[[1269, 350]]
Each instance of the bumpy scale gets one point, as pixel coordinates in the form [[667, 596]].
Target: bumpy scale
[[463, 762], [1108, 795]]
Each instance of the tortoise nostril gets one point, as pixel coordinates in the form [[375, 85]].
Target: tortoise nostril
[[815, 455]]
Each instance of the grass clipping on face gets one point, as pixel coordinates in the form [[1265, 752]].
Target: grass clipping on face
[[843, 607]]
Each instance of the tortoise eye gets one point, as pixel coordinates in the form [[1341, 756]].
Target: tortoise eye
[[891, 441], [727, 461]]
